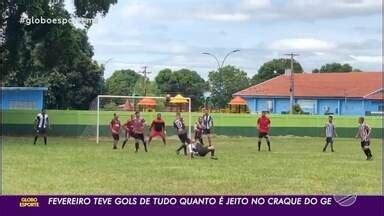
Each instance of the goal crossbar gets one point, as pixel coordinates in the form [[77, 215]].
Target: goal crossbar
[[136, 97]]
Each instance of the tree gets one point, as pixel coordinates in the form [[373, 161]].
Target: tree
[[151, 88], [56, 56], [122, 82], [225, 82], [185, 82], [275, 68], [335, 67]]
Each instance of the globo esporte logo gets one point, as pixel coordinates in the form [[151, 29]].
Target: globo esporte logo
[[29, 202]]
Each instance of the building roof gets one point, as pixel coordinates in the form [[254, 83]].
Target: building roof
[[237, 100], [350, 85], [25, 88]]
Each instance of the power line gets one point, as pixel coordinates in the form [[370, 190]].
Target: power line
[[145, 73]]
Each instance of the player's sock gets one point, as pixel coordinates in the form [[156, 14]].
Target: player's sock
[[332, 147], [45, 140], [369, 153], [125, 141], [366, 152], [182, 146], [185, 149], [269, 145], [136, 146], [258, 145], [34, 142], [325, 147], [145, 146], [212, 152]]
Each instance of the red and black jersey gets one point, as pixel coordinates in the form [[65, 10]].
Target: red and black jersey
[[263, 123], [115, 126], [129, 126], [158, 125]]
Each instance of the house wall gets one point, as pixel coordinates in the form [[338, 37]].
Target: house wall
[[337, 106], [21, 99]]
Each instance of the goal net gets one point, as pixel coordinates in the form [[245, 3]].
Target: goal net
[[149, 106]]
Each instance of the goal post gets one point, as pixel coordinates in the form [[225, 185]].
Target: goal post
[[99, 97]]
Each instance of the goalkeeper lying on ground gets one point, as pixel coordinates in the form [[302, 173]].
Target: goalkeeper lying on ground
[[195, 148]]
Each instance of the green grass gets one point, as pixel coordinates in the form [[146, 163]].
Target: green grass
[[295, 166], [243, 120]]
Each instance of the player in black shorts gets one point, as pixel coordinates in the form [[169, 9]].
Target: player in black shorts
[[364, 133], [41, 126], [197, 149], [208, 125], [179, 125]]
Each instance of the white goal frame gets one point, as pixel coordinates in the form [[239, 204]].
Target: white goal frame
[[137, 97]]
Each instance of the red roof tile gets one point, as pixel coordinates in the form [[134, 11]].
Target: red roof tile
[[353, 84]]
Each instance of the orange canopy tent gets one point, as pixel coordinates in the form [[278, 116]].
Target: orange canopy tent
[[147, 103], [238, 102]]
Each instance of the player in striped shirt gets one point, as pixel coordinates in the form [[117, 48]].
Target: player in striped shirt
[[199, 128], [181, 131], [41, 126], [364, 133], [115, 126], [138, 131], [330, 133], [208, 125], [128, 127]]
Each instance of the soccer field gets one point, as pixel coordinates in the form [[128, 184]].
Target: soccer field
[[295, 166]]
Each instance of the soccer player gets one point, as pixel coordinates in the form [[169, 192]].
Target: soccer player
[[199, 127], [195, 148], [157, 129], [330, 133], [115, 126], [128, 127], [138, 131], [41, 126], [208, 125], [179, 125], [364, 133], [263, 125]]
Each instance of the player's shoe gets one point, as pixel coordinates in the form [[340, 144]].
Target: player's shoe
[[214, 158], [369, 158]]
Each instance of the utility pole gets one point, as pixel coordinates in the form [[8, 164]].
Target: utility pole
[[292, 83], [145, 73]]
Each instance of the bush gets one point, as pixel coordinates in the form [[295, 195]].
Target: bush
[[296, 109]]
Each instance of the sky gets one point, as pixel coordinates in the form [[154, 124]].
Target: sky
[[174, 34]]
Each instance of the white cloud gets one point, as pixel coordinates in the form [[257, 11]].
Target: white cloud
[[257, 4], [301, 44], [223, 16], [139, 8], [367, 59]]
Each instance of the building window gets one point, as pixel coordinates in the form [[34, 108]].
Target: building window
[[381, 108]]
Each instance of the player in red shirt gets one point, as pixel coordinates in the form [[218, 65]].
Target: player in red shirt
[[263, 125], [115, 129], [157, 129], [128, 126]]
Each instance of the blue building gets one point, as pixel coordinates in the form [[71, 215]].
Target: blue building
[[22, 98], [354, 93]]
